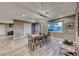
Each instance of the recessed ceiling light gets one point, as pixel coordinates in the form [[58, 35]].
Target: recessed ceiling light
[[60, 16], [23, 15]]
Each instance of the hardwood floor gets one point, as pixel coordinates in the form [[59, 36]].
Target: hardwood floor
[[13, 47], [19, 48]]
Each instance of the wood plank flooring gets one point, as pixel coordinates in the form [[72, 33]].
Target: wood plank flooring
[[19, 48]]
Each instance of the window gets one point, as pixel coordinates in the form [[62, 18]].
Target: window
[[55, 27]]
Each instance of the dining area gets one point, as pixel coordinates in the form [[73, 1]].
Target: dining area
[[38, 40], [36, 31], [40, 44]]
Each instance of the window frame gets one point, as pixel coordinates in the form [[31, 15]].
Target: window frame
[[56, 22]]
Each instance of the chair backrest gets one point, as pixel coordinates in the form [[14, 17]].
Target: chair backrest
[[45, 36], [40, 33], [29, 37]]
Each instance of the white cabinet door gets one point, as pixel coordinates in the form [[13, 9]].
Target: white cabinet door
[[2, 29], [27, 29]]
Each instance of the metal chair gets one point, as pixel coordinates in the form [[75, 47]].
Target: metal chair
[[29, 41], [45, 38]]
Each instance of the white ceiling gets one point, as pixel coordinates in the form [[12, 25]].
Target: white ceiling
[[29, 10]]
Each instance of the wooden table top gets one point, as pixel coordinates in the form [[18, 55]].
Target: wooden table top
[[36, 35]]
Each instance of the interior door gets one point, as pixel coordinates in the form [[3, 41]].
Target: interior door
[[37, 28], [33, 28], [27, 29]]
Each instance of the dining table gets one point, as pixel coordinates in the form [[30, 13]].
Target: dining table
[[35, 37]]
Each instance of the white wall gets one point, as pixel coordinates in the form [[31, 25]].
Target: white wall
[[4, 26], [18, 28], [68, 34], [2, 29], [21, 28], [6, 21], [44, 28]]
